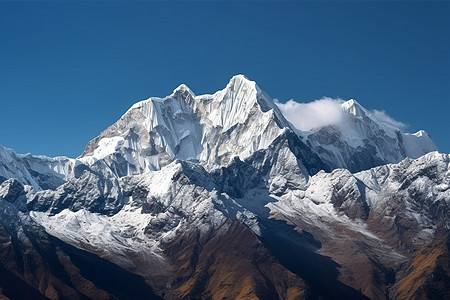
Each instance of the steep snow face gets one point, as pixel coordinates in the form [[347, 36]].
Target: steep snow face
[[41, 172], [240, 120], [361, 141], [149, 135], [212, 129]]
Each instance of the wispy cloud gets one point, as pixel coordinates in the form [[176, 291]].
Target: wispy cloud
[[382, 117]]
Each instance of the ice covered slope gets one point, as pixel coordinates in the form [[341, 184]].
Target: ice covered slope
[[362, 141], [41, 172], [211, 129]]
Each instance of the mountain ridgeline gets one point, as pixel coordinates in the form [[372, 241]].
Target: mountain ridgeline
[[220, 196]]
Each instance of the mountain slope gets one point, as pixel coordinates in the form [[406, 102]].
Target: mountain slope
[[231, 263], [219, 196], [427, 275], [35, 265]]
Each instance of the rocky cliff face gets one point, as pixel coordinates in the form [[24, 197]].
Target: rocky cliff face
[[218, 196]]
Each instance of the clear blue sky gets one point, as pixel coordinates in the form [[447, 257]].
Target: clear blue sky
[[68, 70]]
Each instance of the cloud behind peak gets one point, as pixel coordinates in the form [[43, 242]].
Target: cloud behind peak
[[312, 115], [326, 112]]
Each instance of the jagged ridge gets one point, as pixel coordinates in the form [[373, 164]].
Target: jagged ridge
[[165, 189]]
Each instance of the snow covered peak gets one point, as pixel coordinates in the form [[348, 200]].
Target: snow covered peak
[[363, 139], [238, 100], [240, 79], [354, 108], [212, 129], [236, 122], [181, 89], [233, 104]]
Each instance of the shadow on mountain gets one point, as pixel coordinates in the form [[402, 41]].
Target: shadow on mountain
[[298, 253], [295, 252], [245, 182], [106, 275], [14, 287]]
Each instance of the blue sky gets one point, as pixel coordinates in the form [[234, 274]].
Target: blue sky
[[68, 70]]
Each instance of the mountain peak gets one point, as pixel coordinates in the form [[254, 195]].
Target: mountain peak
[[353, 107], [240, 77], [211, 129], [236, 122], [238, 81], [181, 89]]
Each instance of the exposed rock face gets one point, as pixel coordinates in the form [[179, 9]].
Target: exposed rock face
[[89, 191], [218, 196], [230, 263], [427, 275]]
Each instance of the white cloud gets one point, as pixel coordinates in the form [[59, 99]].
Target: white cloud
[[382, 117], [325, 112], [312, 115]]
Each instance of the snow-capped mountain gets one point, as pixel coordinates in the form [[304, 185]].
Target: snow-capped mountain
[[212, 129], [237, 121], [219, 196], [361, 141]]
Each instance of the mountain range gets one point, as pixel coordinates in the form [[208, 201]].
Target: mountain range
[[221, 197]]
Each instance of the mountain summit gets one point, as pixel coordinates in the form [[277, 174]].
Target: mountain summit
[[236, 122], [212, 129], [220, 196]]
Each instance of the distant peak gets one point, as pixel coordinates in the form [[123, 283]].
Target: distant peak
[[182, 88]]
